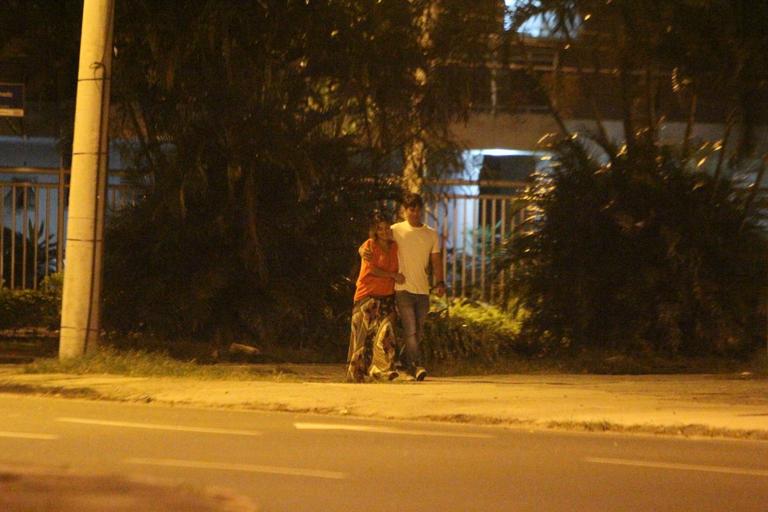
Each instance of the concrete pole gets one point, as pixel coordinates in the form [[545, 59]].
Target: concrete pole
[[81, 312]]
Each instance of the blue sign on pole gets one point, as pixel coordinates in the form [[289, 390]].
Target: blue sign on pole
[[12, 100]]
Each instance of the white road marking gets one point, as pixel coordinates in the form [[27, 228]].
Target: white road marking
[[683, 467], [27, 435], [248, 468], [385, 430], [157, 426]]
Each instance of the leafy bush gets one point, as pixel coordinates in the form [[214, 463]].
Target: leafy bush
[[190, 278], [259, 171], [639, 254], [462, 330], [109, 360], [32, 308]]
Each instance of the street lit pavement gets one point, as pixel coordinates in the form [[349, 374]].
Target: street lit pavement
[[510, 450], [88, 455]]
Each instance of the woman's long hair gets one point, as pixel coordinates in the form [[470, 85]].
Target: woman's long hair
[[377, 217]]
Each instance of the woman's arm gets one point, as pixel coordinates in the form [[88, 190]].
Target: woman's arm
[[378, 272], [366, 253], [398, 277]]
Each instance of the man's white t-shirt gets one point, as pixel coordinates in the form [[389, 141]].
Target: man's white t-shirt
[[414, 247]]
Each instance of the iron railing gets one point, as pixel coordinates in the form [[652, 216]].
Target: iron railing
[[33, 225], [472, 218]]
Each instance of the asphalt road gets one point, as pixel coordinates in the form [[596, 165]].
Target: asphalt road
[[289, 462]]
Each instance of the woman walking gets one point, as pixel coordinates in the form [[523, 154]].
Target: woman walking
[[373, 313]]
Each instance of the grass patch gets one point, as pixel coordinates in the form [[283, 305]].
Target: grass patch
[[26, 389], [143, 358], [464, 337], [605, 363], [137, 363]]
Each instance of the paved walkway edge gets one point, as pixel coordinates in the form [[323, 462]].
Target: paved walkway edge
[[690, 406]]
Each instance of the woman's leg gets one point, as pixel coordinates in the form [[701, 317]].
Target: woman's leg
[[384, 343], [362, 314]]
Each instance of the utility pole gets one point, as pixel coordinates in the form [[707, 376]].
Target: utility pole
[[81, 302]]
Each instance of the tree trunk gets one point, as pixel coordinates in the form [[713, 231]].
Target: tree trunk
[[414, 165]]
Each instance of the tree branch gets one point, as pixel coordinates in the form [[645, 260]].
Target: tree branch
[[690, 122], [724, 144], [754, 189], [551, 107]]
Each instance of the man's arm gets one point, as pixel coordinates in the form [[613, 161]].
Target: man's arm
[[437, 271], [365, 251]]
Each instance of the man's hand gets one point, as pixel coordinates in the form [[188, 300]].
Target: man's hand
[[399, 278], [365, 252], [436, 259]]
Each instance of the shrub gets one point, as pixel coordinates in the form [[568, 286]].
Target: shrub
[[189, 279], [639, 254], [32, 308], [470, 331]]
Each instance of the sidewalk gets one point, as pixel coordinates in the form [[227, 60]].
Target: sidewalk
[[729, 405]]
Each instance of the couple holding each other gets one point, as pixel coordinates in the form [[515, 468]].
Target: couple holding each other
[[393, 281]]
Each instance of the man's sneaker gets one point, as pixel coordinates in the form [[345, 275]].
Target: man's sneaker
[[404, 375], [413, 373]]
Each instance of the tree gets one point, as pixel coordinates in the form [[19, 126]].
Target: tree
[[686, 60], [634, 247], [266, 131]]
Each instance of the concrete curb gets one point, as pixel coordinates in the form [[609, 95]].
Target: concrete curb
[[683, 405]]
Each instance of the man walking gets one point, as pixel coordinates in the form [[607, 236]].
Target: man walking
[[418, 245]]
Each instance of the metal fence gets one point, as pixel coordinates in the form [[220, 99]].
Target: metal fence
[[472, 219], [33, 223]]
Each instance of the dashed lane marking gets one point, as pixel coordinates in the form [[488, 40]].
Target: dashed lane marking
[[681, 467], [158, 426], [375, 429], [247, 468], [29, 435]]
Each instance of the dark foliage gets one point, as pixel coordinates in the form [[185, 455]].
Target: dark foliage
[[188, 279], [461, 331], [639, 254], [267, 133], [32, 308]]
